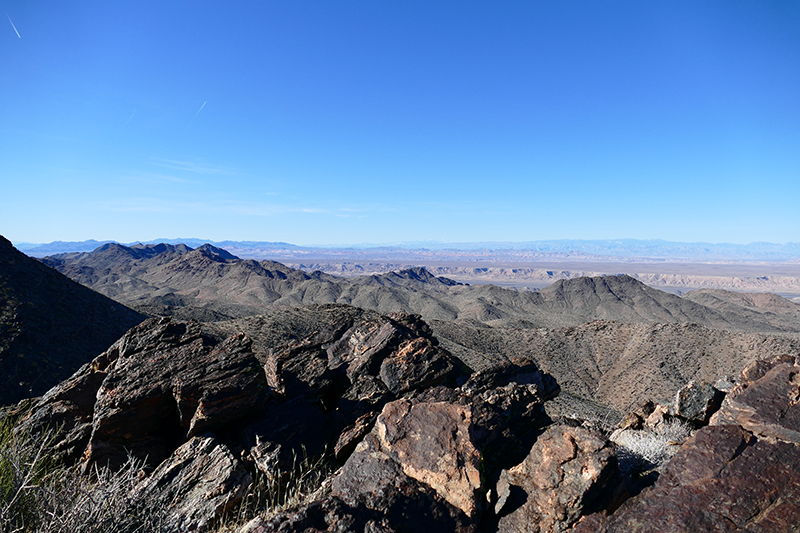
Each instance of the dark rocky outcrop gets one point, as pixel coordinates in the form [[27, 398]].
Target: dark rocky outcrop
[[739, 474], [190, 399], [431, 460]]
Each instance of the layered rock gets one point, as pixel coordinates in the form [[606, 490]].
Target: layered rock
[[195, 485], [190, 399]]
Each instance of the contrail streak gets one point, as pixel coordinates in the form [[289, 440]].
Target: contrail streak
[[15, 28], [198, 111], [126, 122], [195, 115]]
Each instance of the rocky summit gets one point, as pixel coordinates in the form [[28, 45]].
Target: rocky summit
[[422, 443]]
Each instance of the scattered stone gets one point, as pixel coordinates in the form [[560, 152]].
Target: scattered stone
[[738, 474], [658, 416], [696, 402]]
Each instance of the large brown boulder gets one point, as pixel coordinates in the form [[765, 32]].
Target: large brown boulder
[[569, 472]]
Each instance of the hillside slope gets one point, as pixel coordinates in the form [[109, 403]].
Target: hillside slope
[[617, 364], [49, 325]]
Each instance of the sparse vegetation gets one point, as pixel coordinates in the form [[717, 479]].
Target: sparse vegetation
[[642, 452], [39, 495], [277, 491]]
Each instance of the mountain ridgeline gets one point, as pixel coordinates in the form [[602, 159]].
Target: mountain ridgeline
[[610, 339], [210, 283]]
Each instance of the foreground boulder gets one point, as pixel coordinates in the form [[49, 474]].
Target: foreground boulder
[[569, 472], [430, 461]]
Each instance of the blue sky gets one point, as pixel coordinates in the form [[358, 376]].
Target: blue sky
[[340, 122]]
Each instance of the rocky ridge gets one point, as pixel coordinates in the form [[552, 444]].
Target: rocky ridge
[[424, 443], [191, 399]]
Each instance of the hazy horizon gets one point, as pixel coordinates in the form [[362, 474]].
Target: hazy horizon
[[421, 243], [332, 123]]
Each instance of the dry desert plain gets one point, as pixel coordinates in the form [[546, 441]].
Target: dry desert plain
[[676, 277]]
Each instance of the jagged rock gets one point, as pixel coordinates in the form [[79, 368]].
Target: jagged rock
[[425, 463], [569, 472], [67, 408], [195, 485], [299, 371], [505, 423], [352, 435], [430, 453], [519, 371], [166, 381], [696, 402], [766, 401], [362, 348], [416, 364], [375, 484], [722, 479]]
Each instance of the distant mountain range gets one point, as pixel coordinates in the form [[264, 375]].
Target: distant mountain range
[[596, 250]]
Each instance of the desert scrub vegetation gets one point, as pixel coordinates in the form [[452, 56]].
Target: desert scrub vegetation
[[41, 496], [277, 490], [641, 453], [38, 495]]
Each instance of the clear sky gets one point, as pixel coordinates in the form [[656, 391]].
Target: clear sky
[[339, 122]]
